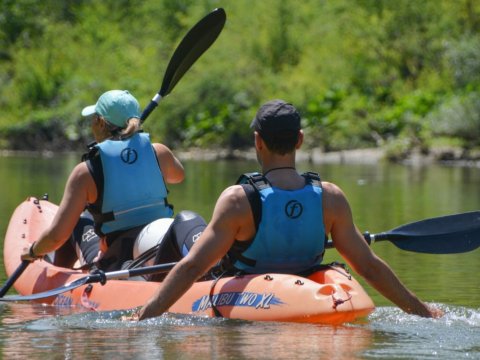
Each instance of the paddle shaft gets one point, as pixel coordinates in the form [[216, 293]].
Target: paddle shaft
[[11, 280], [147, 270], [95, 277], [369, 238], [102, 277]]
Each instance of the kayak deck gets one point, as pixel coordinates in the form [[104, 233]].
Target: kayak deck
[[330, 295]]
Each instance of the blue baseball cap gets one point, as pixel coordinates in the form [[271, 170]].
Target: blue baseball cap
[[115, 106]]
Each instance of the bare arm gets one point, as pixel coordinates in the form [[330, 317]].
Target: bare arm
[[172, 168], [354, 249], [79, 189], [213, 244]]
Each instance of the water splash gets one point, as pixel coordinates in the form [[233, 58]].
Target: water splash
[[388, 333], [455, 335], [114, 319]]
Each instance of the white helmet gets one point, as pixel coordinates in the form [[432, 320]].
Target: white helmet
[[151, 235]]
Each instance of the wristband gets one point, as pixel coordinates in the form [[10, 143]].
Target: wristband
[[30, 251]]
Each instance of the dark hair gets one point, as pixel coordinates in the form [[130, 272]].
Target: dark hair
[[281, 143]]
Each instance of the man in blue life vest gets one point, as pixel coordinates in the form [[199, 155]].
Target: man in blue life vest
[[288, 233], [122, 182]]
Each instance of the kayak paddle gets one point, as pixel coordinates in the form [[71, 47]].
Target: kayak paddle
[[94, 277], [451, 234], [16, 274], [193, 45]]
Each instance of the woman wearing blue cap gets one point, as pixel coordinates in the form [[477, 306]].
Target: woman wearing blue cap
[[122, 182]]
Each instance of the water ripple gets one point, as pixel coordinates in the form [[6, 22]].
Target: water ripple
[[402, 336], [388, 333]]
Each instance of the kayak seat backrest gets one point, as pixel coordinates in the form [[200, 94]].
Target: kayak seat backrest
[[180, 237]]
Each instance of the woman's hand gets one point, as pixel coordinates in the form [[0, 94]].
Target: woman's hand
[[29, 254]]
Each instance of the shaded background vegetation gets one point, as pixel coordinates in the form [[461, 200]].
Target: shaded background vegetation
[[397, 73]]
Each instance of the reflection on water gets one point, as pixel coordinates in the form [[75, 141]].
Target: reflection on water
[[382, 197], [388, 333], [174, 337]]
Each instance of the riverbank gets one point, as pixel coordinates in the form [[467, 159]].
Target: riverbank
[[441, 155], [315, 156]]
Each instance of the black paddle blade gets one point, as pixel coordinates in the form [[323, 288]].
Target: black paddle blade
[[192, 46], [450, 234]]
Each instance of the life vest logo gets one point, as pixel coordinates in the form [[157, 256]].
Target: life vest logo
[[89, 235], [196, 236], [129, 155], [293, 209]]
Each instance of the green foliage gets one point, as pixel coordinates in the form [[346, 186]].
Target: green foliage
[[463, 57], [362, 72], [319, 118], [458, 117]]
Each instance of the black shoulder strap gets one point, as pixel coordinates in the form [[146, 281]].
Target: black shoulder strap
[[312, 178], [255, 204], [252, 184], [91, 151], [255, 179], [94, 165]]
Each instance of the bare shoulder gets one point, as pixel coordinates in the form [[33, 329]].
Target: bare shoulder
[[233, 195], [80, 184], [336, 209], [161, 149], [232, 202], [171, 167], [333, 193], [331, 188], [80, 172], [233, 211]]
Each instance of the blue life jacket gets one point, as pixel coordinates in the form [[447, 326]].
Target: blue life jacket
[[290, 235], [130, 185]]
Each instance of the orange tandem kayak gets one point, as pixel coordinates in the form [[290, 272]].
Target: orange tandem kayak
[[329, 296]]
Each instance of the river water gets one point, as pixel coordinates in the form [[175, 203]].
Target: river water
[[382, 196]]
